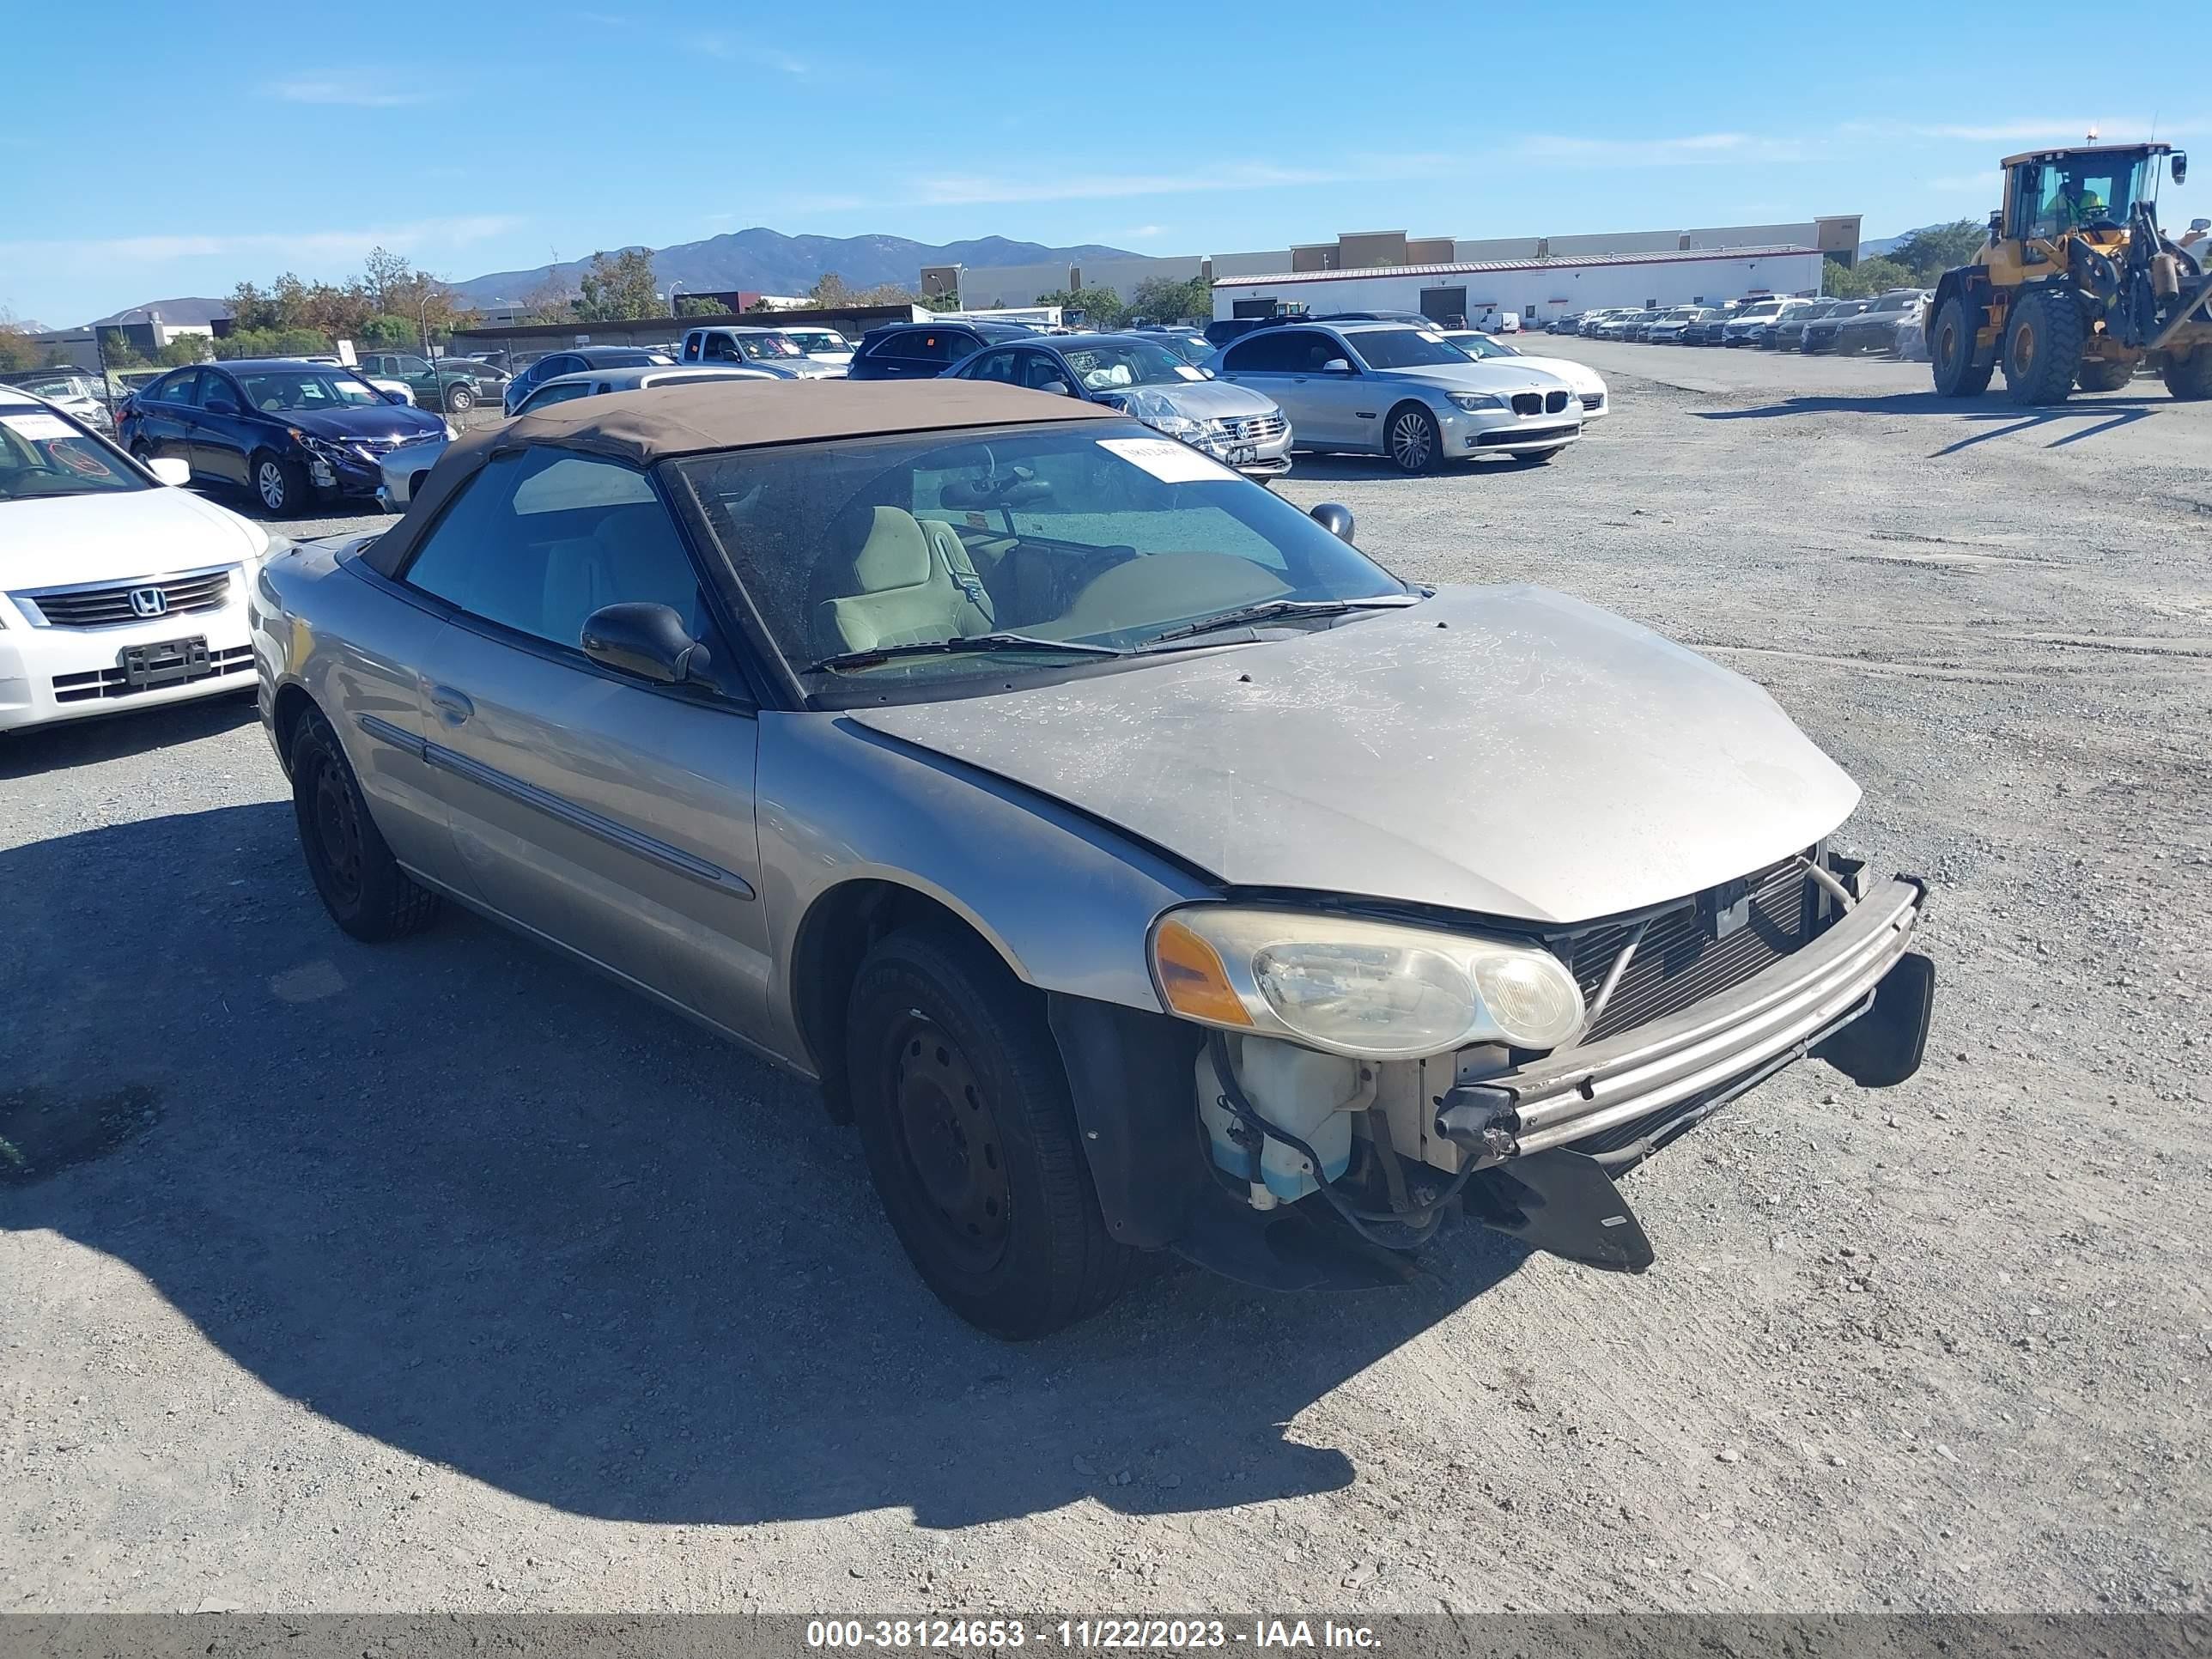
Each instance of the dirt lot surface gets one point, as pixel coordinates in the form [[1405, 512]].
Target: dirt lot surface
[[443, 1276]]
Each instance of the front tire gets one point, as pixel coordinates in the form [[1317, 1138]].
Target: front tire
[[280, 486], [460, 399], [964, 1112], [360, 883], [2190, 377], [1951, 352], [2043, 345], [1412, 440]]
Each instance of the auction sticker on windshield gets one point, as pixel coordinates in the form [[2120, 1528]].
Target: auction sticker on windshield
[[1167, 460], [42, 427]]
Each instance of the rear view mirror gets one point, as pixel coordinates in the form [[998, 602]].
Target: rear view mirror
[[2181, 167], [170, 470], [1334, 518], [648, 641]]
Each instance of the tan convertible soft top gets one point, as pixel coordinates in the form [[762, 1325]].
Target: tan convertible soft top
[[641, 427]]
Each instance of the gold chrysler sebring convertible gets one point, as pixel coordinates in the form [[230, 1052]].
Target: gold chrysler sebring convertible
[[1138, 865]]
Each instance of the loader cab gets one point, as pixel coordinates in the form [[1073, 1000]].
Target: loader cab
[[2051, 192]]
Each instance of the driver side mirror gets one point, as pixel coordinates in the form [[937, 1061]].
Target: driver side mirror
[[1058, 388], [1336, 366], [1334, 518], [220, 406], [170, 471], [2179, 161], [1996, 223], [648, 641], [394, 398]]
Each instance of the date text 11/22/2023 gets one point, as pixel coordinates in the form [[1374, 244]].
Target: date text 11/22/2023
[[1138, 1633]]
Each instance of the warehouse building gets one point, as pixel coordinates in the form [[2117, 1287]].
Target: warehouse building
[[1364, 253], [1475, 292]]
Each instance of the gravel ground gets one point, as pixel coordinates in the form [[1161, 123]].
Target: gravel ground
[[441, 1276]]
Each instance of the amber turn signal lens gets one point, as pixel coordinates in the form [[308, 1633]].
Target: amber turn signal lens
[[1192, 979]]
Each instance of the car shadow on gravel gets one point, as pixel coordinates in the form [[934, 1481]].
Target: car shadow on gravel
[[2001, 420], [43, 749], [459, 1197]]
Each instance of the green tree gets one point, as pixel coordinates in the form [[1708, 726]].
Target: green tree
[[16, 350], [270, 343], [1164, 299], [386, 332], [618, 287], [940, 301], [697, 305], [832, 291], [1867, 278], [116, 350], [1101, 308], [1929, 253], [184, 349]]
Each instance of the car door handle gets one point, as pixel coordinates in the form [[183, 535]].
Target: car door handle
[[454, 706]]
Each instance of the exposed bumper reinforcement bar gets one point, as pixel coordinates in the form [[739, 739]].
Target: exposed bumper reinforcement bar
[[1752, 1029]]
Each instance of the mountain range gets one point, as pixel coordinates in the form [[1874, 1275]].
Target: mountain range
[[758, 260], [1875, 249], [765, 261]]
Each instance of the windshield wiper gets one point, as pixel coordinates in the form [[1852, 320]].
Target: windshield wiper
[[1268, 610], [953, 646]]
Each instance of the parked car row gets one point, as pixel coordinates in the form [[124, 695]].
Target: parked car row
[[1770, 322]]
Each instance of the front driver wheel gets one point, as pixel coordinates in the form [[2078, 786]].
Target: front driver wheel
[[1951, 353], [360, 883], [1414, 443], [460, 399], [280, 486], [964, 1112]]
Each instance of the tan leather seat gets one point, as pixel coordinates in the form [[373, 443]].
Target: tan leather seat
[[907, 589]]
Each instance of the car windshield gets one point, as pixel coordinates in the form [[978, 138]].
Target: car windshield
[[56, 385], [1110, 364], [43, 455], [1480, 346], [1405, 348], [816, 340], [763, 348], [1193, 348], [1897, 302], [305, 388], [1091, 532]]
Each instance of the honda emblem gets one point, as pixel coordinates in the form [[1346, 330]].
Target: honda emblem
[[148, 602]]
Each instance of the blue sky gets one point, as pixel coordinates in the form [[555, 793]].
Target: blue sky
[[476, 138]]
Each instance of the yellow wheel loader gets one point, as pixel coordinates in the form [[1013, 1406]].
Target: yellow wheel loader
[[2076, 285]]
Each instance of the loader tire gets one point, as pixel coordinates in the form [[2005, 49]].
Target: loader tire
[[1951, 352], [2104, 374], [2043, 345], [2190, 377]]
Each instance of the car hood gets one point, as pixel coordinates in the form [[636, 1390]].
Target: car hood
[[391, 420], [1505, 750], [1200, 400], [1581, 376], [1491, 374], [65, 540]]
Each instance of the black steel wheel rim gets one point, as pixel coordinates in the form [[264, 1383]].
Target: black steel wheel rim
[[948, 1138], [338, 833]]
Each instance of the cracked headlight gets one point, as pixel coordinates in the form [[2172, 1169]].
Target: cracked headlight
[[1474, 402], [1375, 990]]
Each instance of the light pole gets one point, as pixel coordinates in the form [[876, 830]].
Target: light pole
[[674, 288]]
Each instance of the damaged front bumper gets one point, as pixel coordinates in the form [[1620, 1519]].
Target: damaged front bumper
[[1689, 1063]]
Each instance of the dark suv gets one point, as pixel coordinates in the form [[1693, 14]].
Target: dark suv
[[290, 431], [575, 360], [920, 351], [453, 384]]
